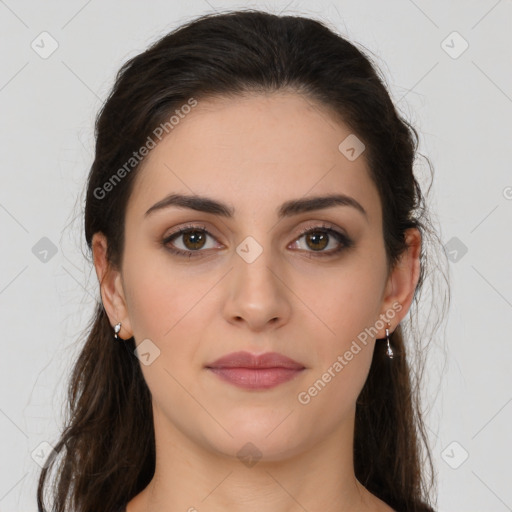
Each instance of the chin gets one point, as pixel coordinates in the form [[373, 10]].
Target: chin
[[262, 441]]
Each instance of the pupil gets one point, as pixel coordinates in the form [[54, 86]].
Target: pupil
[[195, 238], [318, 237]]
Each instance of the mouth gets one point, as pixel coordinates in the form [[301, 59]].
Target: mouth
[[252, 371], [251, 378]]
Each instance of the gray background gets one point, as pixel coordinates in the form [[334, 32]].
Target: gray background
[[461, 103]]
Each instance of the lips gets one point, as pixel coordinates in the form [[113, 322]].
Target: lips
[[256, 361], [255, 372]]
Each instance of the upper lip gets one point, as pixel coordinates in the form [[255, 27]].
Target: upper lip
[[247, 360]]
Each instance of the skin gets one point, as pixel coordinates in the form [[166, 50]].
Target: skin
[[290, 300]]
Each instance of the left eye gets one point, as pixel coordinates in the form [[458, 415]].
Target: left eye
[[318, 238]]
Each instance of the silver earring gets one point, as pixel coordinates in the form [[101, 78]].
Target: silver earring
[[117, 328], [389, 350]]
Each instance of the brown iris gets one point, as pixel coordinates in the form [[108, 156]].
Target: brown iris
[[195, 238], [320, 240]]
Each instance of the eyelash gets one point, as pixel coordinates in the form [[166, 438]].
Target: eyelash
[[344, 241]]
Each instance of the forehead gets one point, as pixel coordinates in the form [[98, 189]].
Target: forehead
[[255, 152]]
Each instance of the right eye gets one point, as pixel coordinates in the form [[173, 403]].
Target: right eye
[[194, 239]]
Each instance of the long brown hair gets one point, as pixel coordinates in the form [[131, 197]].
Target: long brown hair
[[106, 453]]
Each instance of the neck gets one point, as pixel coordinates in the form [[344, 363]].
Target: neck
[[192, 476]]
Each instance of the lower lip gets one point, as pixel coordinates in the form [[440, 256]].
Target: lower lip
[[250, 378]]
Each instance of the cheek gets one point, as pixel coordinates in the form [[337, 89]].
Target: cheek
[[168, 306], [347, 307], [160, 299], [344, 350], [344, 302], [163, 308]]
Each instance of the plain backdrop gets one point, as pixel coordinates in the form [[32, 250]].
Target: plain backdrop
[[449, 69]]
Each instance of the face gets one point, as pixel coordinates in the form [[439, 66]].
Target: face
[[263, 277]]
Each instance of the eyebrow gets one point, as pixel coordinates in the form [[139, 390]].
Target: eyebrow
[[287, 209]]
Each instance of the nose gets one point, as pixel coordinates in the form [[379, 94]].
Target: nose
[[257, 294]]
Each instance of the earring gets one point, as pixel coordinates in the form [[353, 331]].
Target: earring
[[117, 328], [389, 351]]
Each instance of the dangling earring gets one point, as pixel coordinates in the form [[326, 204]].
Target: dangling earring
[[117, 328], [389, 350]]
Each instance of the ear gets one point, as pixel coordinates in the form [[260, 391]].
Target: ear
[[402, 281], [111, 287]]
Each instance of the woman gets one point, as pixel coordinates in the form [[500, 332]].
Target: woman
[[258, 236]]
